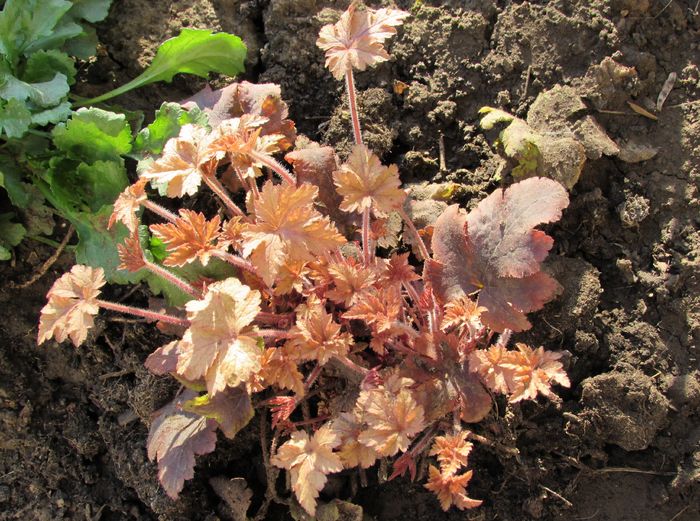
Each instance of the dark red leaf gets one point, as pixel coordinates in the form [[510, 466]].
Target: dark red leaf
[[475, 401], [281, 408], [175, 438], [404, 463], [496, 250]]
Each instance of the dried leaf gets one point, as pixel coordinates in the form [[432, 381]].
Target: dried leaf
[[665, 91], [495, 250], [450, 489], [220, 344], [175, 438], [191, 237], [287, 226], [642, 111], [365, 183], [309, 460], [71, 306], [356, 40]]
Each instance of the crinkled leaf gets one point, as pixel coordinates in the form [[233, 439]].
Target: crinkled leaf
[[174, 439], [42, 94], [170, 117], [23, 22], [356, 40], [15, 118], [53, 115], [91, 10], [232, 409], [11, 180], [237, 99], [42, 65], [496, 250], [94, 134], [193, 51], [11, 234]]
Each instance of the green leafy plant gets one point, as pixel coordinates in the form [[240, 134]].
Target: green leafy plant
[[74, 159], [357, 353]]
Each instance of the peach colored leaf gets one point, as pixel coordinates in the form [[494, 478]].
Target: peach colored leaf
[[72, 304], [399, 271], [238, 138], [175, 437], [220, 344], [463, 314], [315, 336], [392, 416], [237, 99], [191, 237], [535, 370], [365, 183], [287, 226], [130, 253], [495, 250], [495, 368], [179, 166], [279, 367], [309, 460], [231, 233], [452, 451], [353, 454], [356, 39], [127, 204], [231, 409], [450, 489], [351, 280]]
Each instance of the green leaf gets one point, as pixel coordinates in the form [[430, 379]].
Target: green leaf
[[44, 94], [82, 46], [94, 134], [57, 114], [102, 182], [42, 65], [11, 180], [493, 116], [193, 51], [157, 249], [11, 234], [97, 246], [37, 217], [91, 10], [25, 22], [170, 117], [15, 118]]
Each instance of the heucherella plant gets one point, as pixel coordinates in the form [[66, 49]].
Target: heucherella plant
[[358, 354]]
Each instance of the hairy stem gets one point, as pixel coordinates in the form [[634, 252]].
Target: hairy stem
[[365, 237], [159, 210], [139, 312], [275, 166], [352, 101], [312, 377], [422, 248], [272, 333], [504, 338], [216, 187], [172, 278], [351, 365]]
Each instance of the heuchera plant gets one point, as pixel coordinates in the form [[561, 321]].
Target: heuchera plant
[[358, 356]]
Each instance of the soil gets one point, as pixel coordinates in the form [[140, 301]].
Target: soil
[[623, 444]]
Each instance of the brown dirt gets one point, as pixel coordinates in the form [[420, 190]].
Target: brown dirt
[[624, 444]]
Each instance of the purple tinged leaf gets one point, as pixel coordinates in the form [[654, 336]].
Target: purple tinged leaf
[[164, 359], [174, 439], [496, 250], [231, 408]]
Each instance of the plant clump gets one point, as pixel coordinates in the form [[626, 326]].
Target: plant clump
[[359, 353]]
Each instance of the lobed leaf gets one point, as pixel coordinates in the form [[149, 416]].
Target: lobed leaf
[[496, 251], [175, 437]]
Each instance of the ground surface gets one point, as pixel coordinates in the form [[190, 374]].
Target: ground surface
[[625, 442]]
